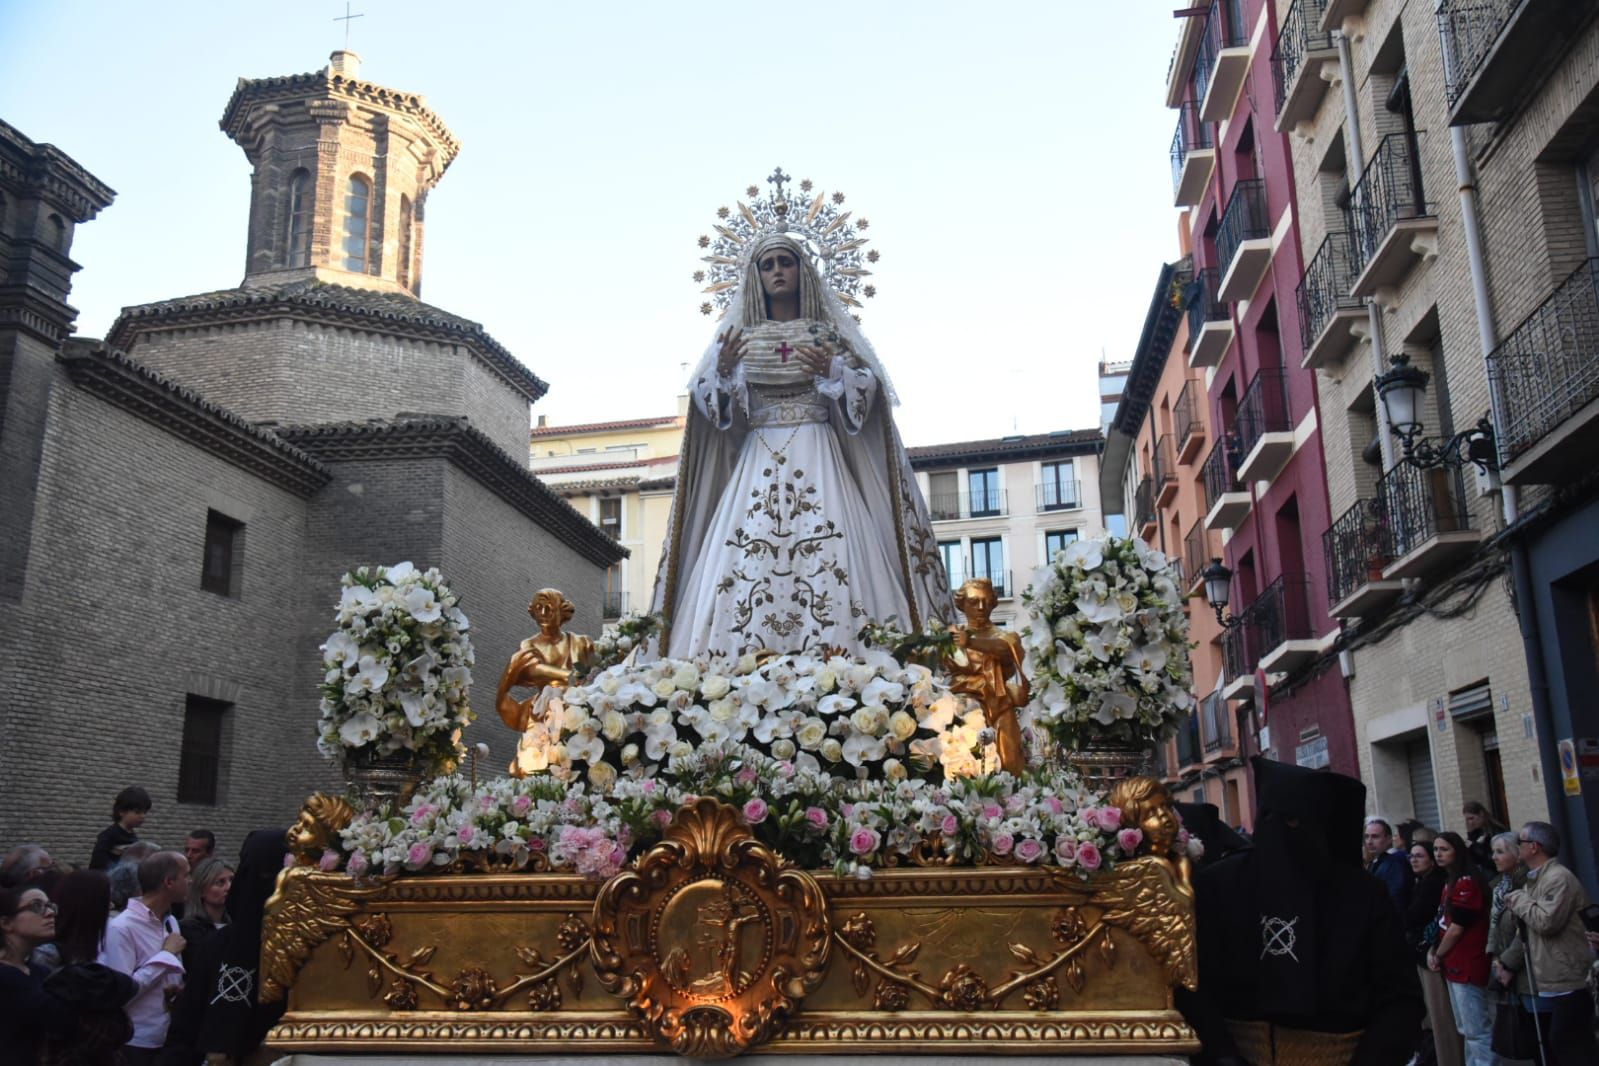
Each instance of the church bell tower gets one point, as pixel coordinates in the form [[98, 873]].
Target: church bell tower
[[342, 172]]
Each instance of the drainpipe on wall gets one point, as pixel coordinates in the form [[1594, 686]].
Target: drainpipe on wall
[[1355, 155], [1520, 568]]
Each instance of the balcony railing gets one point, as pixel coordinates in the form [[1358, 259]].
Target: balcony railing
[[1165, 465], [615, 605], [1204, 301], [1238, 652], [1263, 409], [948, 506], [1220, 472], [1144, 504], [1224, 28], [1198, 550], [1185, 413], [1192, 133], [1356, 547], [1282, 612], [1420, 505], [1217, 722], [1001, 580], [1058, 495], [1390, 189], [1324, 290], [1244, 220], [1547, 369], [1189, 751], [1469, 29], [1300, 35]]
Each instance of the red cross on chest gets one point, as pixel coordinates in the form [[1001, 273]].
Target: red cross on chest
[[784, 350]]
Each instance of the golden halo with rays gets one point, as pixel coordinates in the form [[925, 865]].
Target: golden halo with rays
[[811, 216]]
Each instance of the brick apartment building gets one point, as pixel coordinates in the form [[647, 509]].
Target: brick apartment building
[[177, 503]]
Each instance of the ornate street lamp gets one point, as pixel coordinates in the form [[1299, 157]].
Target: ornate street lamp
[[1402, 390], [1218, 578]]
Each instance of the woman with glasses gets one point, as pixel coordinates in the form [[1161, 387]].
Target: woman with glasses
[[28, 1014], [1440, 1041], [1461, 952]]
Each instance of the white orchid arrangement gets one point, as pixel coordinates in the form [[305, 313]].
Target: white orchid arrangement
[[397, 670], [546, 822], [1107, 644], [851, 718]]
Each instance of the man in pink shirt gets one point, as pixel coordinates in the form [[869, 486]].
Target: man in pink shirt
[[143, 942]]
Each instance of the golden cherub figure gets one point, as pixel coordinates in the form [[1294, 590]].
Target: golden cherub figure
[[317, 828], [1146, 804], [544, 660], [989, 668]]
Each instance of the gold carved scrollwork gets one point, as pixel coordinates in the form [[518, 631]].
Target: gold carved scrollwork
[[303, 912], [711, 940], [1147, 898]]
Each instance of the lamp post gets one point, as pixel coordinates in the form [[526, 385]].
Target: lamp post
[[1218, 578], [1402, 389]]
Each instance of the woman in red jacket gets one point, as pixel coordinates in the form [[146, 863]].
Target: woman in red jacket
[[1461, 953]]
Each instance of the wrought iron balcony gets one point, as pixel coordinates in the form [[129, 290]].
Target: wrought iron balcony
[[1186, 417], [1282, 612], [1243, 241], [1189, 750], [1496, 51], [1193, 156], [1222, 60], [1327, 313], [951, 506], [1165, 469], [1238, 646], [615, 605], [1144, 506], [1302, 47], [1428, 523], [1546, 377], [1216, 723], [1394, 223], [1199, 548], [1263, 426], [1210, 320], [958, 575], [1357, 551], [1226, 499], [1058, 495]]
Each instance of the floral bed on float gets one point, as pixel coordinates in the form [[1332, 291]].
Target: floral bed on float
[[777, 852]]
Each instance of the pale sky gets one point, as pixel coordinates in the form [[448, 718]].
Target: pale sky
[[1011, 158]]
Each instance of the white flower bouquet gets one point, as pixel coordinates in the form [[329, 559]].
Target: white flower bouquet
[[397, 670], [1107, 645], [869, 717]]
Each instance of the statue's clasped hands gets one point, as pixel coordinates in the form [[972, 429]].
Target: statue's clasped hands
[[733, 344]]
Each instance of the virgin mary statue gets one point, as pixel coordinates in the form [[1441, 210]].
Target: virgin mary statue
[[796, 519]]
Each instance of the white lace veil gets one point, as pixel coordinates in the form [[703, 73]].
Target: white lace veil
[[748, 307]]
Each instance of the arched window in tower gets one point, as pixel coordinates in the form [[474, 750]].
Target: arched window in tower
[[299, 243], [405, 241], [357, 223]]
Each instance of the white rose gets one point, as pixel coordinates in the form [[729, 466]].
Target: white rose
[[715, 687], [723, 710], [870, 721], [612, 726], [783, 749], [826, 680], [630, 755], [811, 733], [663, 688], [602, 776], [679, 749], [686, 677], [609, 684], [893, 769], [902, 725], [745, 664], [832, 750]]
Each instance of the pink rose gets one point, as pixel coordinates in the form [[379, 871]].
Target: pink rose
[[1088, 856], [1129, 839], [536, 844], [419, 854], [864, 841], [1014, 804], [465, 834], [648, 788], [1002, 843], [950, 826], [993, 812], [1055, 806], [521, 805], [745, 776], [1066, 850], [1029, 851], [755, 811], [485, 803], [329, 861], [358, 864], [1089, 815], [1110, 819], [816, 817], [662, 817], [785, 769]]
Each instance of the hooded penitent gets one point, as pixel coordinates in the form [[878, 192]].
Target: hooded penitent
[[796, 517]]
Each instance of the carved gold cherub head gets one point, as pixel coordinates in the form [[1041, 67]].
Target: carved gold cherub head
[[1146, 804], [976, 599], [317, 829]]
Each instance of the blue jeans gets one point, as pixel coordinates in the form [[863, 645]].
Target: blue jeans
[[1474, 1019]]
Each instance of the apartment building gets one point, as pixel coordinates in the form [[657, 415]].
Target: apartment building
[[1439, 207], [1151, 473], [1002, 507], [621, 474], [1262, 474]]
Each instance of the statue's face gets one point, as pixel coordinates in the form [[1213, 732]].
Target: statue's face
[[1160, 826], [977, 604], [780, 272], [546, 610]]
